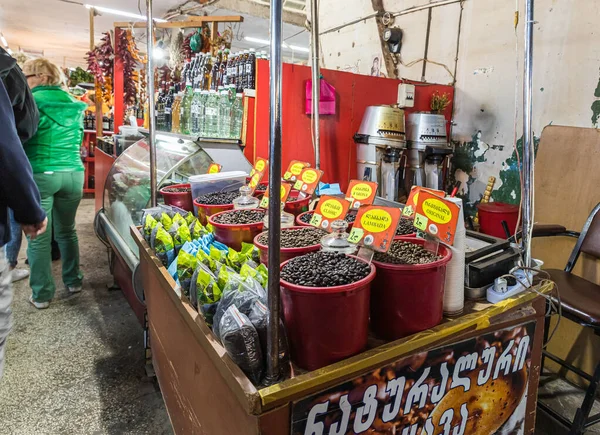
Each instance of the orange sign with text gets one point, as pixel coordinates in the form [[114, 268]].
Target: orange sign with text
[[294, 169], [260, 165], [375, 227], [308, 180], [436, 216], [361, 192], [285, 192], [413, 198], [329, 209], [214, 168]]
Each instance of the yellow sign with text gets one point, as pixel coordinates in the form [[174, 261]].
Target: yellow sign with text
[[375, 227]]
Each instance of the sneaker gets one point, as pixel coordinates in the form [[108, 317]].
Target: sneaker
[[19, 274], [39, 305], [76, 289]]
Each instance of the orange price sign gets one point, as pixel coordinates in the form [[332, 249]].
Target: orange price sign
[[375, 227], [259, 166], [294, 170], [361, 192], [413, 199], [255, 180], [329, 209], [308, 180], [436, 216], [214, 168], [285, 192]]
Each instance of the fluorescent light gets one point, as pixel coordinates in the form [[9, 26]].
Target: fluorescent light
[[3, 39], [122, 13], [159, 53], [298, 48], [257, 40]]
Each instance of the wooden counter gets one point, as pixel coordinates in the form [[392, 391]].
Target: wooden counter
[[489, 358]]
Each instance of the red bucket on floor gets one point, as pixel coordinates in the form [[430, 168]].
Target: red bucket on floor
[[285, 254], [491, 215], [234, 235], [406, 299], [326, 324], [182, 200]]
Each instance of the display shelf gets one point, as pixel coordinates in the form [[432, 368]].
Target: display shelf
[[89, 190], [105, 133], [194, 138]]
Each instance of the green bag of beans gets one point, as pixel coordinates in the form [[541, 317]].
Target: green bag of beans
[[182, 235], [251, 252], [218, 255], [190, 218], [208, 288], [205, 259], [166, 221], [179, 220], [263, 273], [149, 225], [186, 266], [163, 246], [197, 230], [235, 260]]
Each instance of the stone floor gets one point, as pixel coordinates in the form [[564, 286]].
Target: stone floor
[[78, 367]]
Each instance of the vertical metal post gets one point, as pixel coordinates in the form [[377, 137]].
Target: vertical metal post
[[150, 96], [316, 79], [528, 150], [274, 187]]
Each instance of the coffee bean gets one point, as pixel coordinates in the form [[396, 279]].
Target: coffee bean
[[237, 217], [406, 253], [176, 189], [405, 226], [218, 198], [324, 269], [350, 217], [296, 237]]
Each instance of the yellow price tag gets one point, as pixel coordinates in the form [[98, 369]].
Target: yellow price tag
[[265, 202], [356, 235], [316, 220], [407, 211], [298, 185], [287, 175], [420, 222]]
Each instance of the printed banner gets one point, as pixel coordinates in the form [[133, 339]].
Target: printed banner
[[475, 387]]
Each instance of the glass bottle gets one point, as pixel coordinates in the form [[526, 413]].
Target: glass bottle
[[241, 69], [186, 109], [196, 125], [237, 115], [233, 72], [160, 111], [224, 114], [168, 109], [223, 68], [287, 219], [203, 124], [337, 241], [214, 74], [250, 69], [245, 200], [176, 113]]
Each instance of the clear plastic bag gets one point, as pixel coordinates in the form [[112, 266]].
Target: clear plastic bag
[[162, 244]]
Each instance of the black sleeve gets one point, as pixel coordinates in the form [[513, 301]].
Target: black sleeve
[[17, 187], [27, 117]]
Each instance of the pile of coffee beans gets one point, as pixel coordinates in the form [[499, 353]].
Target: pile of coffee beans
[[293, 199], [350, 217], [262, 186], [218, 198], [406, 253], [324, 269], [177, 189], [405, 226], [238, 217], [297, 237]]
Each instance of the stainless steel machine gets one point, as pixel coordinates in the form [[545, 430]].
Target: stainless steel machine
[[380, 142], [427, 149]]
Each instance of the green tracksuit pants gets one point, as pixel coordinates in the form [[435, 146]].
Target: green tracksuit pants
[[61, 194]]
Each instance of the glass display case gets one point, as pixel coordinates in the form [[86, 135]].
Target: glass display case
[[127, 187]]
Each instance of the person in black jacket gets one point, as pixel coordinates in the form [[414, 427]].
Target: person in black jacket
[[19, 192]]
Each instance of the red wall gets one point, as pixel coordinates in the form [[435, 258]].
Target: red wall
[[354, 93]]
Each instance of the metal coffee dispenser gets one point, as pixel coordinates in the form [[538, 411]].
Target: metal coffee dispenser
[[427, 149], [381, 137]]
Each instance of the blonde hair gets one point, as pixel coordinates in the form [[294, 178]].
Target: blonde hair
[[43, 67]]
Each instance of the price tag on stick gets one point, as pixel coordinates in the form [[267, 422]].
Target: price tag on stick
[[361, 192], [329, 209], [308, 180], [285, 192], [375, 227], [294, 170], [214, 168], [255, 180], [260, 165], [436, 216]]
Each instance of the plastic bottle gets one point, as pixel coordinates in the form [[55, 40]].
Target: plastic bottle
[[237, 114], [186, 109], [196, 125], [250, 69], [224, 114], [203, 124], [211, 114], [245, 200], [176, 113], [223, 68]]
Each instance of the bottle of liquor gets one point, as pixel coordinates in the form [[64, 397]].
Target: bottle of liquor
[[250, 69], [176, 113], [160, 109], [186, 109], [168, 106], [214, 74], [207, 70], [219, 60], [223, 68], [105, 123], [241, 70], [232, 73]]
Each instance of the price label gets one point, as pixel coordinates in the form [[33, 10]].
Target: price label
[[413, 199], [294, 170], [375, 227], [285, 192], [255, 180], [308, 180], [259, 166], [329, 209], [436, 216], [361, 192], [214, 168]]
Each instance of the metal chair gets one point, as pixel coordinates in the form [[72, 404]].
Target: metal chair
[[580, 303]]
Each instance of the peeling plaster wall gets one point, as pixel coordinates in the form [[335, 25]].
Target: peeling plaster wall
[[566, 72]]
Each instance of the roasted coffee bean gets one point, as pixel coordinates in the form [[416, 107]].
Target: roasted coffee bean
[[350, 217], [405, 226], [262, 186], [176, 189], [324, 269], [296, 237], [236, 217], [218, 198], [406, 253], [293, 199]]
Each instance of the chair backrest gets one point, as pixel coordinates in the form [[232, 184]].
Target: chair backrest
[[589, 239]]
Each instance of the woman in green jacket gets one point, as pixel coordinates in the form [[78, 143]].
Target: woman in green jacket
[[58, 173]]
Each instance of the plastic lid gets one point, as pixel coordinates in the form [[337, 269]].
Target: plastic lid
[[498, 207], [218, 176], [337, 241]]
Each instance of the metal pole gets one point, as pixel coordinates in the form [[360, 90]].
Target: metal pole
[[275, 187], [316, 79], [150, 96], [528, 151]]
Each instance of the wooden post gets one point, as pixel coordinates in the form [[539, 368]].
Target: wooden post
[[214, 29]]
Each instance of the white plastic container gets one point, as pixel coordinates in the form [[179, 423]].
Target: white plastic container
[[219, 182]]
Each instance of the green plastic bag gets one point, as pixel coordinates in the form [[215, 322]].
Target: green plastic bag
[[163, 245], [166, 221], [263, 275], [178, 219], [149, 225], [186, 265], [190, 218], [206, 260], [208, 288], [182, 235], [218, 255], [251, 252], [197, 230], [234, 259]]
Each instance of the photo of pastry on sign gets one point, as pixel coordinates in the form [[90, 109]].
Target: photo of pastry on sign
[[375, 227], [329, 209], [308, 180], [361, 192]]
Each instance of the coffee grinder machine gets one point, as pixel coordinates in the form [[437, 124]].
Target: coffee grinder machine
[[427, 151], [380, 142]]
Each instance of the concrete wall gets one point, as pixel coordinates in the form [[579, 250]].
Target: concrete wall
[[566, 71]]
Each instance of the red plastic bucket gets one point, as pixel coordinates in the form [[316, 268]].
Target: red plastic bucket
[[406, 299], [206, 210], [182, 200], [491, 215], [285, 254], [326, 324], [297, 207], [234, 235]]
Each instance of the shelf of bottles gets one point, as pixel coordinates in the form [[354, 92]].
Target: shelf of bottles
[[208, 102], [89, 123]]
